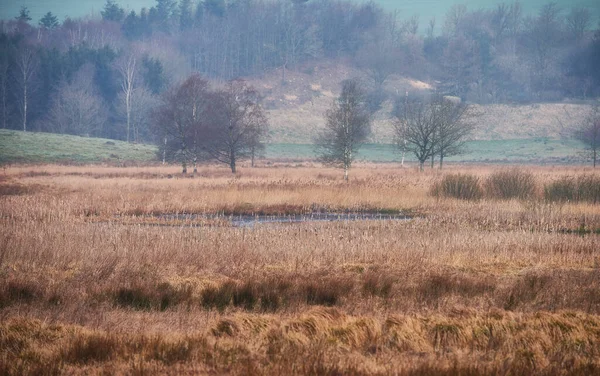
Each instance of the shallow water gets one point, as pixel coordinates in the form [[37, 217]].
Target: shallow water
[[253, 220]]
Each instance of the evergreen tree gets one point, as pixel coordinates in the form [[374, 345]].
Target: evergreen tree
[[49, 21], [153, 74], [23, 15], [132, 27], [112, 11]]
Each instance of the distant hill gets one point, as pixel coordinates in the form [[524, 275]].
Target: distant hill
[[32, 147], [296, 108]]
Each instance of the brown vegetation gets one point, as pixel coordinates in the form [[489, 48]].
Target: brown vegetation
[[488, 286]]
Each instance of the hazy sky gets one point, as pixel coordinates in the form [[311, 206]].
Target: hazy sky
[[426, 9]]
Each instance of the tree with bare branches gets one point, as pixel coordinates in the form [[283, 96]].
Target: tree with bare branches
[[415, 129], [589, 133], [453, 124], [77, 108], [179, 119], [347, 127], [237, 124], [26, 67], [127, 68]]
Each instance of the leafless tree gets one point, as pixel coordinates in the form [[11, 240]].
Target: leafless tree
[[453, 124], [415, 129], [26, 67], [347, 127], [589, 133], [141, 103], [4, 72], [237, 124], [127, 67], [578, 22], [179, 119], [77, 108]]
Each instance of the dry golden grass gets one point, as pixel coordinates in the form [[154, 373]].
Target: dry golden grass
[[89, 284]]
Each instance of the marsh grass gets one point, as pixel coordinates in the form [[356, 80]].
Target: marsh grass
[[466, 287], [511, 183]]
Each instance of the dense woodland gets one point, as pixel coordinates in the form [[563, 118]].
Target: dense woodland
[[105, 76]]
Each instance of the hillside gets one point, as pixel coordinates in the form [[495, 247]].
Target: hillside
[[31, 147], [296, 108]]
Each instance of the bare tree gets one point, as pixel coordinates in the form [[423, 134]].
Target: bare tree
[[179, 119], [237, 123], [77, 108], [578, 22], [589, 133], [347, 127], [4, 71], [453, 124], [26, 68], [127, 67], [415, 129], [141, 103]]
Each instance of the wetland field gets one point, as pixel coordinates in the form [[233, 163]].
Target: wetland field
[[140, 270]]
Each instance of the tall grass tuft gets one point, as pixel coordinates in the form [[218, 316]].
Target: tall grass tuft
[[461, 186], [512, 183]]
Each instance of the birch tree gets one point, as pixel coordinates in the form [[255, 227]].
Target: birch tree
[[347, 127], [26, 68], [127, 67]]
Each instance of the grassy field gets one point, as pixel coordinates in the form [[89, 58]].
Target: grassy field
[[536, 150], [93, 280], [19, 147], [32, 147]]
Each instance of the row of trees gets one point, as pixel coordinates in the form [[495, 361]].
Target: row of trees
[[430, 128], [427, 127], [197, 123]]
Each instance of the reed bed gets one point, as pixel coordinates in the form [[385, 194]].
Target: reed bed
[[494, 286]]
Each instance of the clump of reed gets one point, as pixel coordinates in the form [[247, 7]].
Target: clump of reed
[[584, 188], [460, 186], [509, 184]]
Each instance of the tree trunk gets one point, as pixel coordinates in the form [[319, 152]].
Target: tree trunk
[[441, 161], [232, 163], [25, 107], [421, 166], [346, 172], [183, 161], [128, 109], [195, 164]]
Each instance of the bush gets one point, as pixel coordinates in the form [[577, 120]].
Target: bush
[[567, 188], [513, 183], [563, 189], [588, 188], [461, 186]]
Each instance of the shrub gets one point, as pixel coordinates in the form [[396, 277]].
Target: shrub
[[461, 186], [588, 188], [513, 183], [19, 291], [326, 292], [563, 189], [567, 188], [218, 297]]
